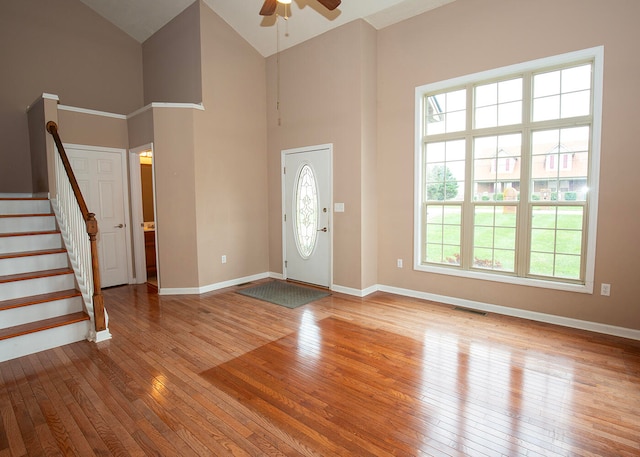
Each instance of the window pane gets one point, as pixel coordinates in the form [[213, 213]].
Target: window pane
[[443, 230], [496, 167], [306, 213], [494, 238], [498, 104], [576, 104], [445, 112], [562, 94], [486, 117], [510, 91], [556, 241], [546, 108], [541, 264], [546, 84], [560, 164], [445, 171], [455, 121], [576, 78], [510, 113]]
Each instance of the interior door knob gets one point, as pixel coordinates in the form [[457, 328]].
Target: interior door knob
[[118, 226], [323, 229]]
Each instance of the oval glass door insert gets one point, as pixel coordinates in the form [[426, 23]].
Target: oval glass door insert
[[306, 211]]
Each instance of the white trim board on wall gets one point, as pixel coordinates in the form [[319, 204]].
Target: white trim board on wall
[[596, 327], [515, 312]]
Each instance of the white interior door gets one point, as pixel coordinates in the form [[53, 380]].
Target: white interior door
[[307, 215], [99, 175]]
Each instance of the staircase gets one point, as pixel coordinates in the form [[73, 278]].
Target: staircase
[[40, 307]]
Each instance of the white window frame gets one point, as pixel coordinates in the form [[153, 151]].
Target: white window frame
[[596, 54]]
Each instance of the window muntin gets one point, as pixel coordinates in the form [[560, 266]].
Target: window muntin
[[557, 125]]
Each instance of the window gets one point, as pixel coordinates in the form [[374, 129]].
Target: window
[[506, 173]]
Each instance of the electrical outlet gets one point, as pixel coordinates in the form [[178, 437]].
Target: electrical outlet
[[224, 259], [605, 289], [399, 263]]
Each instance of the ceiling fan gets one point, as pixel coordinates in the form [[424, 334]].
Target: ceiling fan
[[269, 6]]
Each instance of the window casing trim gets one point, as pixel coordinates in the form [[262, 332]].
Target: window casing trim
[[595, 54]]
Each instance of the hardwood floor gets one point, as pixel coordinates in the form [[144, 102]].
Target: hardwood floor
[[224, 374]]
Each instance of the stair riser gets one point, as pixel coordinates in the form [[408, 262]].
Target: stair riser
[[31, 343], [10, 244], [17, 265], [39, 311], [27, 224], [25, 207], [37, 286]]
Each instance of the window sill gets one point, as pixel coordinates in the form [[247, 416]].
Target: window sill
[[586, 288]]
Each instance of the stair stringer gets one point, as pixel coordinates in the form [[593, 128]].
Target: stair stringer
[[81, 276]]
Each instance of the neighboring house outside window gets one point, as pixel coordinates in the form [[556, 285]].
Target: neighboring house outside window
[[506, 173]]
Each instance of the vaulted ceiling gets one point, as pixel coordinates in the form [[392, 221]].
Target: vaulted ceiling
[[306, 18]]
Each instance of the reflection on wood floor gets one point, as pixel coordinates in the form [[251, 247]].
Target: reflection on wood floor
[[224, 374]]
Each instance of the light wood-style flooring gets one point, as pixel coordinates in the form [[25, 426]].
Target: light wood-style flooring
[[224, 374]]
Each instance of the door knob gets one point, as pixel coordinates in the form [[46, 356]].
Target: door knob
[[323, 229], [118, 226]]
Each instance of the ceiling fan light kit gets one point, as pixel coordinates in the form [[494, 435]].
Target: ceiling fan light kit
[[269, 6]]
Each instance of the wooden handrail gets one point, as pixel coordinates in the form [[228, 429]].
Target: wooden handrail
[[92, 230]]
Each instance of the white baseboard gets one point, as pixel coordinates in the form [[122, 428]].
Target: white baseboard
[[496, 309], [212, 287], [514, 312], [355, 292]]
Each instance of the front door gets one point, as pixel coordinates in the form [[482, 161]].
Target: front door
[[307, 215], [99, 175]]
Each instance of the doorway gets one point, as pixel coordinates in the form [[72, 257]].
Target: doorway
[[143, 209], [101, 174], [307, 222]]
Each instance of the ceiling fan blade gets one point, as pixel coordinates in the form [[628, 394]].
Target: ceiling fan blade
[[330, 4], [269, 7]]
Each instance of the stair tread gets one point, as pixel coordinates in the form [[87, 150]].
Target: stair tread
[[45, 324], [35, 274], [43, 232], [36, 299], [27, 215], [23, 198], [13, 255]]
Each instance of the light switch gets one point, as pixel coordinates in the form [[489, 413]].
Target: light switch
[[338, 207]]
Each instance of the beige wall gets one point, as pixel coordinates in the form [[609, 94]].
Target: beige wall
[[218, 170], [140, 128], [323, 86], [38, 146], [174, 166], [215, 202], [468, 36], [62, 48], [171, 59], [92, 130], [231, 165]]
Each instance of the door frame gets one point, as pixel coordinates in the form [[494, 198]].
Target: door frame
[[283, 155], [136, 214], [125, 195]]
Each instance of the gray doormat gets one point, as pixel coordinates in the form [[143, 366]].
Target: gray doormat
[[284, 294]]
